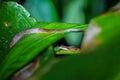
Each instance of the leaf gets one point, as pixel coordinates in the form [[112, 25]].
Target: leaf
[[47, 57], [13, 19], [108, 22], [101, 30], [31, 45], [100, 64], [42, 10], [60, 26], [19, 56]]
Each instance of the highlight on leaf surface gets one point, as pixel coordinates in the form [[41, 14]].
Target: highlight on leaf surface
[[13, 19]]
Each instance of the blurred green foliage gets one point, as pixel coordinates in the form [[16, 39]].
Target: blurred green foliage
[[74, 13], [102, 63], [42, 10]]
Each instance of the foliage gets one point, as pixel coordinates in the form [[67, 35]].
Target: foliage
[[13, 19], [100, 64], [96, 59]]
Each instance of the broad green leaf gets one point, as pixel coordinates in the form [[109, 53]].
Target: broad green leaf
[[32, 45], [109, 24], [100, 64], [74, 13], [102, 28], [13, 19], [26, 50], [60, 26], [42, 10]]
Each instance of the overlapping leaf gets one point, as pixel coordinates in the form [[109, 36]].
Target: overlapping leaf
[[100, 64], [13, 19], [31, 45]]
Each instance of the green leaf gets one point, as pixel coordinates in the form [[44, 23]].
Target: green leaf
[[101, 30], [42, 10], [25, 50], [31, 45], [109, 24], [13, 19], [100, 64], [60, 26]]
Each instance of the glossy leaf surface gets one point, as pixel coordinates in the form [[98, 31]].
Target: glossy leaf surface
[[13, 19]]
